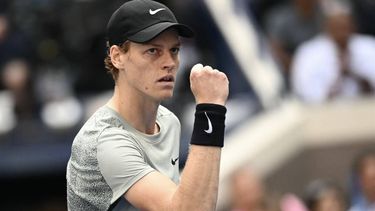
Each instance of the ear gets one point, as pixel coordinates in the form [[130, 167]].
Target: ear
[[115, 54]]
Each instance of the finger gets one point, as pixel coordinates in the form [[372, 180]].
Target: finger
[[197, 67], [207, 68]]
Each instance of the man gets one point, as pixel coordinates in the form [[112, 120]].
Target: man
[[247, 191], [128, 150], [364, 170], [324, 195], [288, 26], [336, 64]]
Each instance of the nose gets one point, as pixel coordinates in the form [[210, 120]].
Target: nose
[[170, 61]]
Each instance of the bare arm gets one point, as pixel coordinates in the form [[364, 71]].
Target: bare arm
[[198, 188], [199, 181]]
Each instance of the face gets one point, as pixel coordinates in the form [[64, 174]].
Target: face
[[3, 27], [340, 27], [367, 178], [149, 69], [330, 201], [247, 192], [15, 75]]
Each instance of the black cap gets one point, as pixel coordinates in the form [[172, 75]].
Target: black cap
[[142, 20]]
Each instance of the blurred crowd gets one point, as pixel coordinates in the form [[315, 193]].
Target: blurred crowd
[[249, 191], [52, 70], [52, 61], [324, 47]]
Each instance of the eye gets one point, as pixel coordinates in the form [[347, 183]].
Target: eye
[[152, 51], [175, 50]]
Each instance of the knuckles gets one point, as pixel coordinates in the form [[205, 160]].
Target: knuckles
[[207, 75], [206, 71]]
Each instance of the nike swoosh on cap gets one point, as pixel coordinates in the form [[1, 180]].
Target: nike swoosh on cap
[[209, 130], [153, 12]]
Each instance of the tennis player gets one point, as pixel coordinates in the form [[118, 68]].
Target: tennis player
[[128, 150]]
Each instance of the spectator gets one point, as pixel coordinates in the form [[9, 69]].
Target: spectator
[[17, 100], [247, 191], [364, 170], [337, 63], [12, 44], [17, 79], [324, 195], [61, 109], [289, 25]]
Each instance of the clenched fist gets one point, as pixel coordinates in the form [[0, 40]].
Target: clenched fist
[[209, 85]]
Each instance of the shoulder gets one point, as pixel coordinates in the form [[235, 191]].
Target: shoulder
[[164, 112], [355, 208], [167, 118], [317, 42], [316, 47], [103, 121], [103, 117], [363, 42], [363, 38]]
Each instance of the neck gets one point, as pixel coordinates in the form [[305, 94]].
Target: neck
[[137, 110]]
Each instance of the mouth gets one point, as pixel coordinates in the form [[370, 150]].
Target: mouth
[[168, 78]]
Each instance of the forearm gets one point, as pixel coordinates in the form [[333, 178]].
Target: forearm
[[199, 181], [198, 188]]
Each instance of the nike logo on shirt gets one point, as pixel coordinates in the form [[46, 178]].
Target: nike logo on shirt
[[173, 161], [153, 12], [209, 130]]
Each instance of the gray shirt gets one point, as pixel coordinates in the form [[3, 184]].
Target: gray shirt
[[109, 155]]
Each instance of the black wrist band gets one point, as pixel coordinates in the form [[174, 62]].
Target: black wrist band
[[209, 125]]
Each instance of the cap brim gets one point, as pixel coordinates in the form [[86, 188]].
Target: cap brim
[[151, 32]]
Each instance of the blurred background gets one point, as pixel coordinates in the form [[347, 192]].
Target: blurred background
[[300, 130]]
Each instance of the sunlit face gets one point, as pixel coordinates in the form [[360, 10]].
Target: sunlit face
[[150, 68]]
